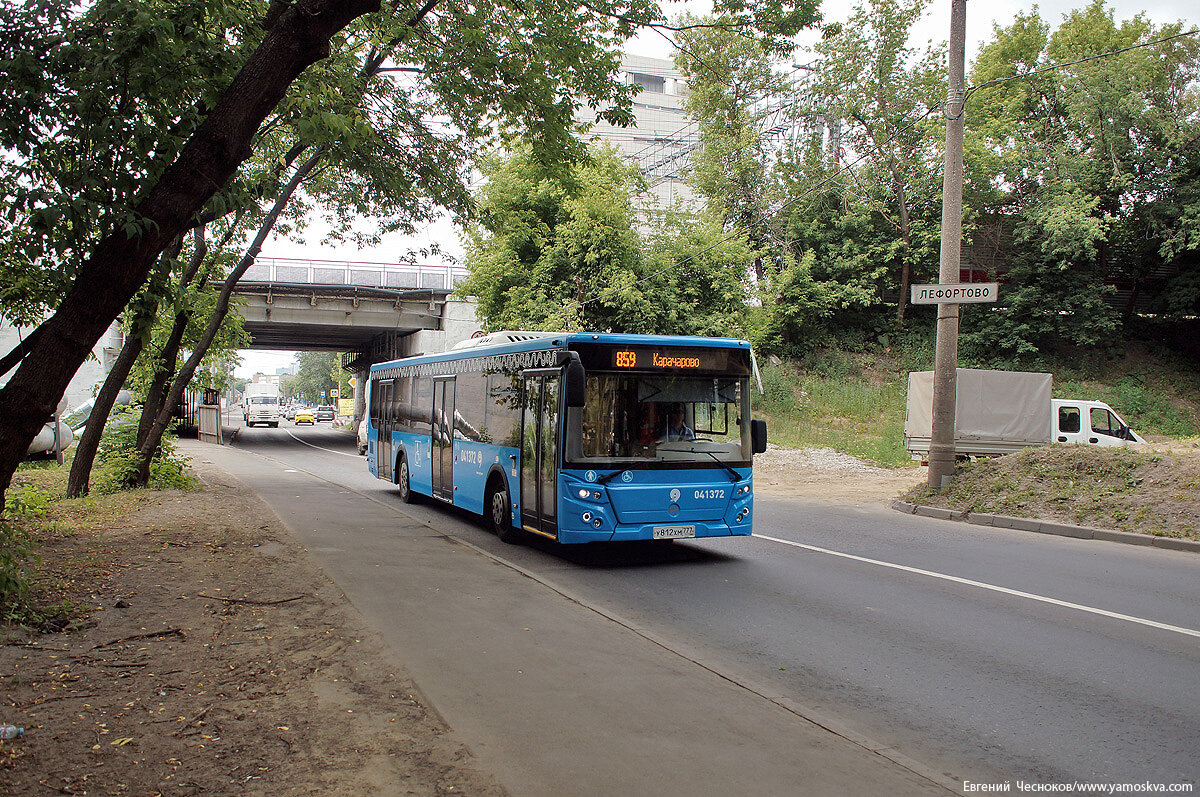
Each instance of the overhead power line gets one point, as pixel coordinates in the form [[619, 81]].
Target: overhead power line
[[971, 90]]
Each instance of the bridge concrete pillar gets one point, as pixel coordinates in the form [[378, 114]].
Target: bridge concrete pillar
[[361, 375]]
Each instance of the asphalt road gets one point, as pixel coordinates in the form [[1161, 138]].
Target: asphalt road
[[988, 654]]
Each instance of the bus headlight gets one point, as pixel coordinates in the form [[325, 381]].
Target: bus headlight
[[584, 492]]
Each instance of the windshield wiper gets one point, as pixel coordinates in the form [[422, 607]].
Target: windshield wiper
[[733, 474], [606, 479]]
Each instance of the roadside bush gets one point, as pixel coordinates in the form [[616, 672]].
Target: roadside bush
[[118, 459], [21, 503], [16, 548]]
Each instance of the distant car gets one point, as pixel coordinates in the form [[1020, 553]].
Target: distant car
[[290, 412], [362, 436], [325, 413], [305, 415]]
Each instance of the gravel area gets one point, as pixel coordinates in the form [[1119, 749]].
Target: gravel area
[[822, 474]]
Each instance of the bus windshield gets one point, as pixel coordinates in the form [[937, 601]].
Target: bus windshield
[[633, 420]]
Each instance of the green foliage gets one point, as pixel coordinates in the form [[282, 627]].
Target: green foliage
[[315, 374], [16, 549], [98, 99], [1090, 169], [22, 502], [556, 248], [730, 81], [27, 500], [698, 277]]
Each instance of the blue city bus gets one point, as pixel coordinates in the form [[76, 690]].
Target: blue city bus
[[562, 435]]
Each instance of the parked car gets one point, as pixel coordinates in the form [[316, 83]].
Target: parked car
[[325, 412], [362, 436], [305, 415]]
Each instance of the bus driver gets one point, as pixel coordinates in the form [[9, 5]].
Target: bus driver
[[675, 428]]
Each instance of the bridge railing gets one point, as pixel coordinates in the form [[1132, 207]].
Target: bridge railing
[[402, 276]]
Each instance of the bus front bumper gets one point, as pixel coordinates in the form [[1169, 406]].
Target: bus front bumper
[[627, 532]]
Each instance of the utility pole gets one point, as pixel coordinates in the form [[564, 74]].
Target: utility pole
[[941, 444]]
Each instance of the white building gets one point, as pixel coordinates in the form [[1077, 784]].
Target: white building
[[91, 374], [662, 139]]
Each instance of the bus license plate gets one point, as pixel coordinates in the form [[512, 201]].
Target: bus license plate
[[673, 532]]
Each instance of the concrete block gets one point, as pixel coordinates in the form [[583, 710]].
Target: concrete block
[[980, 518], [933, 512], [1122, 536], [1019, 523], [1067, 530], [1176, 544], [904, 506]]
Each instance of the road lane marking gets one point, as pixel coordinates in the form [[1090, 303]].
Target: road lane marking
[[992, 587], [319, 448]]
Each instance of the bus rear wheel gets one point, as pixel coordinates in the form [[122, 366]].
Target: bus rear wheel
[[500, 515]]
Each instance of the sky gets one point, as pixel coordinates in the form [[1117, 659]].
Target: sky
[[934, 25]]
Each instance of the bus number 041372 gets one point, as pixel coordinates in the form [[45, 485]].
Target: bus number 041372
[[718, 494]]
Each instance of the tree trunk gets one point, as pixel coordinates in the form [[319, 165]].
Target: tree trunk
[[166, 359], [157, 395], [148, 448], [78, 482], [120, 262]]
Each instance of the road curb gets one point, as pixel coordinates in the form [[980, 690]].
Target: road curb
[[1047, 527]]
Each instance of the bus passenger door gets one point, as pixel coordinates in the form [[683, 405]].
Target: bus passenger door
[[387, 412], [539, 455], [443, 439]]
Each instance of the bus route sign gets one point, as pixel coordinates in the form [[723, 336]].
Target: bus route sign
[[956, 293]]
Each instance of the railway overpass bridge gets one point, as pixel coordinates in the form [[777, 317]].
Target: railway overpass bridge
[[378, 311]]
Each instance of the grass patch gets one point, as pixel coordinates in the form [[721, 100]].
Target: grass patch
[[853, 404], [1148, 492]]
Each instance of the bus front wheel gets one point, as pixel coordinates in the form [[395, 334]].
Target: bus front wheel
[[402, 481], [500, 515]]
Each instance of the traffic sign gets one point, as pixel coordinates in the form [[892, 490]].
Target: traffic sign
[[956, 293], [333, 393]]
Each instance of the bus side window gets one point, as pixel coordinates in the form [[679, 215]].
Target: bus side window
[[1068, 420]]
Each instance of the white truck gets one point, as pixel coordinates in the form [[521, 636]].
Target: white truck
[[261, 404], [998, 412]]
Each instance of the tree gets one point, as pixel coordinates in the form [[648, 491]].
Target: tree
[[315, 374], [555, 248], [181, 181], [733, 91], [699, 276], [880, 92], [1092, 169]]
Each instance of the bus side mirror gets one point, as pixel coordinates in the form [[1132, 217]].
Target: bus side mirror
[[576, 382], [758, 436]]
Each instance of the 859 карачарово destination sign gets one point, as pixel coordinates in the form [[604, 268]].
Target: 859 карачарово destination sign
[[956, 293]]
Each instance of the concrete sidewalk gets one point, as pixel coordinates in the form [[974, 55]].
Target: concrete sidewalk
[[551, 696]]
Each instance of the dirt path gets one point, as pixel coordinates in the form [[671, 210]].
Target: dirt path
[[217, 660]]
